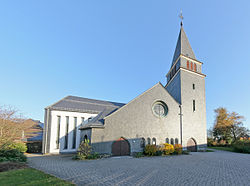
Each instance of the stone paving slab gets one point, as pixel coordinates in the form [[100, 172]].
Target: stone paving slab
[[200, 168]]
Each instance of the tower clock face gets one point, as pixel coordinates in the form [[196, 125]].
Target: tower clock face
[[160, 109]]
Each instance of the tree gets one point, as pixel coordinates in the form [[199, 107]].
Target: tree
[[237, 128], [228, 126], [13, 126]]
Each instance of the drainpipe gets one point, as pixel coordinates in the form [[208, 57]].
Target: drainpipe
[[180, 106]]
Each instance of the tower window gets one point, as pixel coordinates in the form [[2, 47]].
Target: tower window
[[195, 68], [187, 64], [193, 105], [193, 86]]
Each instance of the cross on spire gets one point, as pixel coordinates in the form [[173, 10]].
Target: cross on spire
[[181, 17]]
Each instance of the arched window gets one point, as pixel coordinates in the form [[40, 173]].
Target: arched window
[[149, 141], [187, 64], [172, 141], [176, 141], [167, 140], [154, 141], [143, 141], [195, 68], [191, 66]]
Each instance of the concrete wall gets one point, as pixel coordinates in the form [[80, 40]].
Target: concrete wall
[[136, 120], [194, 122], [53, 125]]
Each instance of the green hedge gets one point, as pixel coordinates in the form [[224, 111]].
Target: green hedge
[[12, 155], [242, 146], [20, 146]]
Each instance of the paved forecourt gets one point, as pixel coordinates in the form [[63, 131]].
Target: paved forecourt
[[200, 168]]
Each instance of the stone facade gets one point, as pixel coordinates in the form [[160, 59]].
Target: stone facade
[[136, 120], [183, 109]]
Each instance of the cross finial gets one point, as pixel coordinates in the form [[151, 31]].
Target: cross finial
[[181, 17]]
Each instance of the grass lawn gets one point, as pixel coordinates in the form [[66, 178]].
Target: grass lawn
[[29, 176], [223, 148]]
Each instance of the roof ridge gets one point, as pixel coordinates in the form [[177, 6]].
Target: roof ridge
[[92, 99], [94, 103]]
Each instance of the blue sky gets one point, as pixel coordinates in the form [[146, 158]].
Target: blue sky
[[115, 50]]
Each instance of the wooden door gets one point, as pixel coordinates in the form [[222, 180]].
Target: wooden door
[[191, 145], [120, 148]]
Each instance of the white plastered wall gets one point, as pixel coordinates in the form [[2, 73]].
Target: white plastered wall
[[54, 120]]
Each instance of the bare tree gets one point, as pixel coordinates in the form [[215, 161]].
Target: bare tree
[[13, 125]]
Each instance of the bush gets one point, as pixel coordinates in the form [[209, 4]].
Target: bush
[[84, 150], [159, 152], [178, 148], [138, 154], [12, 155], [168, 149], [150, 150], [93, 156], [210, 142], [20, 146], [242, 146]]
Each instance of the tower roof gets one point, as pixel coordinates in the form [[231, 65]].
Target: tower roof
[[183, 47]]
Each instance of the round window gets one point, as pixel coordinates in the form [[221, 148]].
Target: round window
[[160, 109]]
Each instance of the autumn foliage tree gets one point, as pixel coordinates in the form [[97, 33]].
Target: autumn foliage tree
[[228, 126], [13, 127]]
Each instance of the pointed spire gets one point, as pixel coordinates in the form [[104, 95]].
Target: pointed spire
[[183, 47]]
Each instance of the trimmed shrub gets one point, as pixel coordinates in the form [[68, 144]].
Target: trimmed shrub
[[178, 148], [159, 152], [168, 149], [150, 150], [12, 155], [20, 146], [242, 146]]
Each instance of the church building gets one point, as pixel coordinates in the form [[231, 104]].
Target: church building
[[174, 113]]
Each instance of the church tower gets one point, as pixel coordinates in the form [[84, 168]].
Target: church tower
[[186, 83]]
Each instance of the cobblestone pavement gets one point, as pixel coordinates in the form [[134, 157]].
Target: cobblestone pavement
[[200, 168]]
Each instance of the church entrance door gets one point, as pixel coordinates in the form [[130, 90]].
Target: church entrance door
[[121, 147], [191, 145]]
